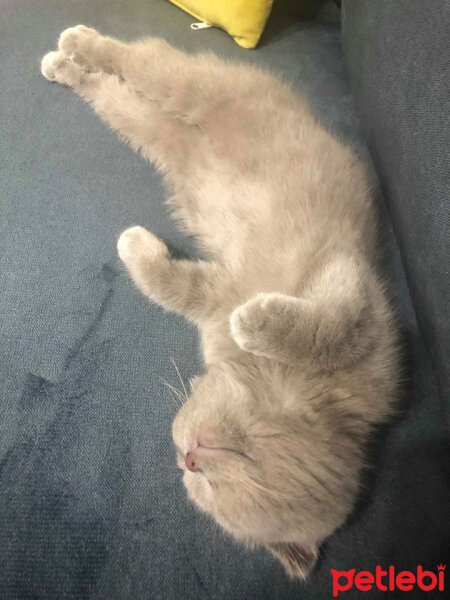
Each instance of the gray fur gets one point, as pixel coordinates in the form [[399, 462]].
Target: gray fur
[[298, 337]]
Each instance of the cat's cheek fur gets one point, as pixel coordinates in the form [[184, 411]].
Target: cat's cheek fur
[[297, 559]]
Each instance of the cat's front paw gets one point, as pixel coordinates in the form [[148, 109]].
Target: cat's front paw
[[77, 43], [136, 243], [251, 322]]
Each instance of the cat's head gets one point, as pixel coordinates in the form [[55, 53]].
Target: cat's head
[[262, 470]]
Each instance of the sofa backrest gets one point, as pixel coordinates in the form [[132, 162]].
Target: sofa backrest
[[398, 58]]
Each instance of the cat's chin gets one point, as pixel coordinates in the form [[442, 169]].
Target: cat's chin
[[199, 491], [297, 559]]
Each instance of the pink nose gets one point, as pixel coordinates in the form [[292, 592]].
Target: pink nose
[[190, 462]]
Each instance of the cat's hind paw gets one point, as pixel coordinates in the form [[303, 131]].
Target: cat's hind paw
[[55, 66], [84, 47], [51, 63], [74, 40]]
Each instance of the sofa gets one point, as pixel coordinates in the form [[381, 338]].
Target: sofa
[[91, 502]]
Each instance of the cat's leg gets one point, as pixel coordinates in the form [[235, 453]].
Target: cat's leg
[[150, 66], [148, 59], [180, 285], [183, 286], [150, 131], [333, 325], [197, 89]]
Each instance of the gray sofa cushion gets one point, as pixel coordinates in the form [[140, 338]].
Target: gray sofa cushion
[[91, 504], [398, 58]]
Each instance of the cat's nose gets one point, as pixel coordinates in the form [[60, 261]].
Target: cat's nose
[[189, 461]]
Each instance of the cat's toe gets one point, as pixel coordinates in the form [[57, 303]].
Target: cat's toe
[[74, 41], [136, 243], [50, 64], [55, 66], [238, 329], [246, 323], [250, 322]]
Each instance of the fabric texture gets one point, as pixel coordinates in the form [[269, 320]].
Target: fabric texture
[[91, 502], [244, 20], [398, 58]]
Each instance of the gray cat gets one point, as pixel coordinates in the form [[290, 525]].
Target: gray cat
[[299, 341]]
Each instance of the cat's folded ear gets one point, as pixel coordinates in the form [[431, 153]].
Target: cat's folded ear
[[297, 560]]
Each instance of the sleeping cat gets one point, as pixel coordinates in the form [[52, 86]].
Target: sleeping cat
[[298, 338]]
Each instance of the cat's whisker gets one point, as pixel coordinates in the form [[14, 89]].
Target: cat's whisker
[[170, 386], [322, 393], [176, 392], [179, 376], [270, 491], [174, 398], [337, 401], [314, 386], [267, 435], [252, 483]]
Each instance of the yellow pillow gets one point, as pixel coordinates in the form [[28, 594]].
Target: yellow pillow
[[243, 19]]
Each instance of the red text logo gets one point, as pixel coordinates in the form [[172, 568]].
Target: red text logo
[[388, 580]]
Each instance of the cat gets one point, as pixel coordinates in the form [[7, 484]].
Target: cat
[[299, 341]]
